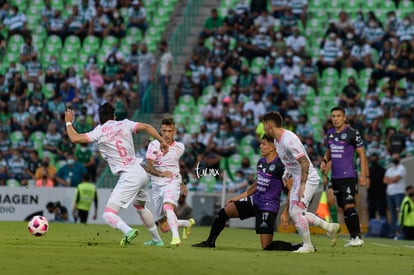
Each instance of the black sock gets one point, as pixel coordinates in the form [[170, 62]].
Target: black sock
[[352, 222], [282, 246], [218, 226]]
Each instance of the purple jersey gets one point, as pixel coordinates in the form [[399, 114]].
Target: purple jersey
[[342, 146], [269, 184]]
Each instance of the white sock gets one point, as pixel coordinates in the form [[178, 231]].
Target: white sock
[[148, 220], [316, 221], [301, 223], [116, 222], [183, 223], [172, 220]]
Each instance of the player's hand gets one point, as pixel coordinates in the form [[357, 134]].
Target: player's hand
[[69, 115], [184, 189], [164, 147], [231, 200], [94, 216], [302, 191], [364, 181], [167, 174], [284, 219], [322, 166]]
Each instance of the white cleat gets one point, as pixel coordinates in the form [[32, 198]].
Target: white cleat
[[355, 242], [305, 249], [333, 232]]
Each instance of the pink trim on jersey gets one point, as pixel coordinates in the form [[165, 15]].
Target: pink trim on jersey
[[281, 136], [110, 210], [173, 143], [299, 156], [136, 127], [88, 137], [168, 207]]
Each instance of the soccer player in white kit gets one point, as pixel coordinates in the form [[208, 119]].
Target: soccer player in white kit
[[305, 181], [115, 143], [166, 180]]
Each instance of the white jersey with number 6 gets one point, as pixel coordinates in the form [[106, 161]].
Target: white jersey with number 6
[[169, 162], [116, 144]]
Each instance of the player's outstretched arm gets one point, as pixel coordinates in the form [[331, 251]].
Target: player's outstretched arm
[[250, 191], [150, 168], [152, 132], [74, 136]]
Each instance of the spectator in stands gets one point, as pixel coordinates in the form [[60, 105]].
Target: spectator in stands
[[16, 168], [108, 7], [248, 124], [330, 55], [337, 39], [405, 32], [241, 7], [15, 22], [165, 73], [288, 72], [5, 144], [215, 108], [198, 72], [52, 139], [404, 62], [18, 91], [287, 22], [223, 141], [386, 67], [309, 74], [34, 71], [33, 162], [25, 145], [47, 13], [146, 70], [211, 24], [53, 72], [71, 174], [56, 25], [299, 10], [201, 51], [67, 92], [343, 24], [297, 91], [85, 156], [297, 42], [95, 79], [265, 20], [111, 67], [117, 25], [137, 16], [186, 85], [360, 56], [374, 34], [396, 141], [392, 25], [256, 105], [87, 11], [77, 23], [278, 8], [132, 62], [27, 49], [99, 25], [256, 7], [304, 129], [20, 119], [351, 94]]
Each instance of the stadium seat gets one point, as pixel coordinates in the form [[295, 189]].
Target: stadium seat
[[16, 137], [257, 65], [12, 183]]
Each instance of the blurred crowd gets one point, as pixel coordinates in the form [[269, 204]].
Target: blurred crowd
[[38, 85], [256, 59]]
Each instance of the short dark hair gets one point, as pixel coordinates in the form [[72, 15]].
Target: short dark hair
[[169, 121], [267, 138], [106, 112], [276, 117], [338, 108]]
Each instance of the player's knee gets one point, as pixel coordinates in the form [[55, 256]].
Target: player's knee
[[168, 207], [109, 211], [349, 212], [221, 215]]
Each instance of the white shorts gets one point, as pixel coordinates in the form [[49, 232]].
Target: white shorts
[[311, 186], [130, 187], [165, 193]]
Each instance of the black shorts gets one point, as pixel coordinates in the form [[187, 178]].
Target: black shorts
[[83, 215], [345, 190], [265, 220]]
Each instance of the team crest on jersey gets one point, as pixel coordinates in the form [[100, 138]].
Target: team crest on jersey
[[260, 165], [272, 167], [331, 136], [344, 136]]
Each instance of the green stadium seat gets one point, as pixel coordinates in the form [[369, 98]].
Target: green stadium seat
[[16, 137], [257, 65], [12, 183]]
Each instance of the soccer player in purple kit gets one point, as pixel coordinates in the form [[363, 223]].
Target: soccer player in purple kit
[[342, 142], [260, 200]]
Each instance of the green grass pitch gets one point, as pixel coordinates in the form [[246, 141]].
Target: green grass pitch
[[94, 249]]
